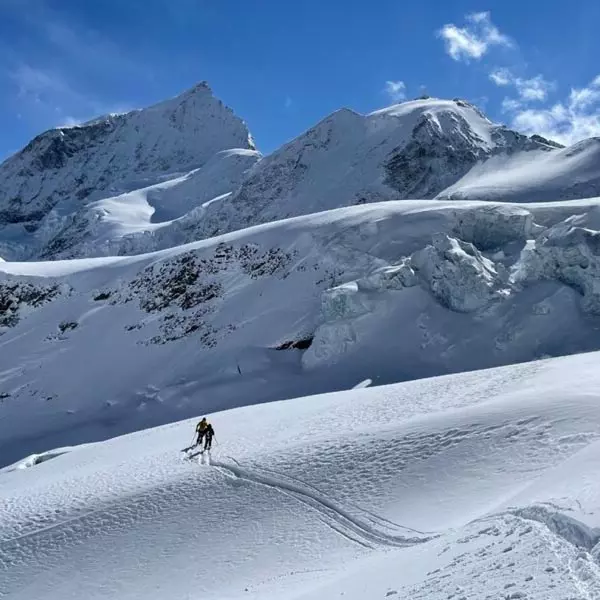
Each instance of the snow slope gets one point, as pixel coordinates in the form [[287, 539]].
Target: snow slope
[[153, 217], [464, 486], [60, 171], [388, 292], [567, 173]]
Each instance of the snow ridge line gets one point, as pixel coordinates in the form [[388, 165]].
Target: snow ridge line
[[332, 514]]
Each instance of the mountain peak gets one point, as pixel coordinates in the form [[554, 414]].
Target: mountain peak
[[64, 168], [200, 92]]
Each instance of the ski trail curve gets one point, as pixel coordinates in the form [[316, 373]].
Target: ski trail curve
[[376, 519], [332, 514]]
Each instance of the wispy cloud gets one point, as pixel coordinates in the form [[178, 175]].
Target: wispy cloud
[[51, 96], [529, 90], [395, 90], [55, 80], [474, 39], [36, 84], [287, 103], [575, 118]]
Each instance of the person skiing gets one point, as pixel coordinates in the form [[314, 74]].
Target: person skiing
[[205, 430]]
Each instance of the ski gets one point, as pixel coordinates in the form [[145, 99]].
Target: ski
[[195, 454]]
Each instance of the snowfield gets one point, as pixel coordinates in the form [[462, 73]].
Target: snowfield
[[469, 485]]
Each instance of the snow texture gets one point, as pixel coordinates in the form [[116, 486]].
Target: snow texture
[[464, 486]]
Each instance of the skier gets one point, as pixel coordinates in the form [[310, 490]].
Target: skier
[[206, 431]]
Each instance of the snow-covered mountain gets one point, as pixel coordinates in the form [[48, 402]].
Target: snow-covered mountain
[[412, 150], [167, 269], [389, 291], [476, 485], [186, 169], [45, 186]]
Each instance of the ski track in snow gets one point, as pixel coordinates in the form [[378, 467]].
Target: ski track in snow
[[335, 515]]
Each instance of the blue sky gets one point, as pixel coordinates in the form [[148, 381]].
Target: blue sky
[[282, 66]]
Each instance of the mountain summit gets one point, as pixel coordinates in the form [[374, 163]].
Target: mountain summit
[[63, 169], [411, 150]]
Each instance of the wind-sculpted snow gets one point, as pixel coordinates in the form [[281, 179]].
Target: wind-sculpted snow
[[159, 216], [475, 484], [561, 174]]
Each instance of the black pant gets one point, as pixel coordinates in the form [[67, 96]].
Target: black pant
[[207, 440]]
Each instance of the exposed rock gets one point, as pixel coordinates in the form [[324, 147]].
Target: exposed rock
[[16, 296], [186, 289], [302, 344]]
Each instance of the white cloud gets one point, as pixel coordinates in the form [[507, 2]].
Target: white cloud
[[529, 90], [475, 39], [575, 118], [510, 104], [536, 88], [501, 77], [460, 43], [583, 98], [396, 90]]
